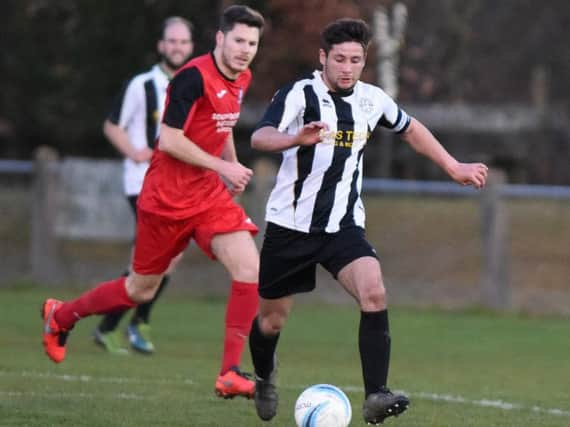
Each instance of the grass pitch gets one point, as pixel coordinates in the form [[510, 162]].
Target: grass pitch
[[460, 369]]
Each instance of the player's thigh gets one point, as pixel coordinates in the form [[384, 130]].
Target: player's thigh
[[221, 220], [345, 247], [158, 241], [362, 278], [352, 260], [175, 261], [361, 274], [238, 253]]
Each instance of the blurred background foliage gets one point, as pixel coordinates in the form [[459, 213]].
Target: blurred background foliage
[[62, 61]]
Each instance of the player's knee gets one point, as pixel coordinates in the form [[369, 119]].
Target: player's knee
[[247, 273], [142, 292], [272, 324], [140, 296], [148, 294], [373, 298]]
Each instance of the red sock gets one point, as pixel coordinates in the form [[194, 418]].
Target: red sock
[[240, 312], [106, 297]]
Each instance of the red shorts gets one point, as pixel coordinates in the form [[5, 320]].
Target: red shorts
[[159, 239]]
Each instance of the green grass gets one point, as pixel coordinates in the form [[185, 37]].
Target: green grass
[[473, 356]]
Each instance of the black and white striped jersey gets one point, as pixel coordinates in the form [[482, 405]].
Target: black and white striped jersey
[[318, 187], [138, 110]]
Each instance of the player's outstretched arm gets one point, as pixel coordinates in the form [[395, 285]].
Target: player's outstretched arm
[[270, 139], [422, 141]]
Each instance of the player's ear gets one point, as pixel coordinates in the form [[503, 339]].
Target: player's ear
[[322, 57], [219, 38]]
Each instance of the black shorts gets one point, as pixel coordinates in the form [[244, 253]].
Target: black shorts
[[133, 204], [132, 200], [289, 258]]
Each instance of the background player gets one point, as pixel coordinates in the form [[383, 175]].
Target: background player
[[132, 127]]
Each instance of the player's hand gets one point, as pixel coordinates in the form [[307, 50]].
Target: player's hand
[[237, 175], [474, 174], [234, 191], [311, 134], [143, 155]]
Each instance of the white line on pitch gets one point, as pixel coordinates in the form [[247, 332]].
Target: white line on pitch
[[89, 378], [121, 396], [498, 404]]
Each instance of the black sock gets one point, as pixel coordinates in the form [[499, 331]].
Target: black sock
[[142, 312], [110, 321], [262, 348], [374, 346]]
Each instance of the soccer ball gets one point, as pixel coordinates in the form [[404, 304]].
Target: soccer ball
[[322, 405]]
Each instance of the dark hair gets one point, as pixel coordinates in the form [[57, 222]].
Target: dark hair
[[238, 14], [345, 30], [175, 20]]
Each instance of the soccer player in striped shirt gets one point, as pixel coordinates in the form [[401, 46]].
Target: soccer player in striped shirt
[[184, 197], [315, 215]]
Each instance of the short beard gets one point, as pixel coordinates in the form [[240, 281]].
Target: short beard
[[171, 64], [336, 88]]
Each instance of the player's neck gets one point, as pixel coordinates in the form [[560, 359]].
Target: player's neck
[[169, 72], [223, 69]]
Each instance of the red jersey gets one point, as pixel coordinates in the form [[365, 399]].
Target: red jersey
[[206, 106]]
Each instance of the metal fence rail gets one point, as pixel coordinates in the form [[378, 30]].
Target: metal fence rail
[[393, 186], [535, 191], [21, 167], [447, 189]]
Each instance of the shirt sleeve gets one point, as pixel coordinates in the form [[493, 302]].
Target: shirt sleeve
[[127, 104], [393, 117], [183, 92], [285, 106]]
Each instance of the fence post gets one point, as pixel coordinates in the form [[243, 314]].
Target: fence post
[[43, 247], [495, 288]]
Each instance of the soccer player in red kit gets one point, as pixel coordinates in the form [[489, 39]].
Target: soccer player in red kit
[[184, 197]]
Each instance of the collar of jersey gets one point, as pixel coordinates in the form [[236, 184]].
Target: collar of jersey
[[161, 73], [322, 86], [218, 68]]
